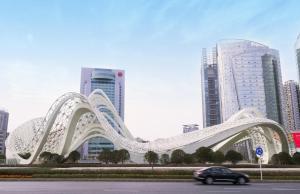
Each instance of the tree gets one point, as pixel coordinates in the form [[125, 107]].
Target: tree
[[275, 159], [25, 155], [177, 156], [48, 157], [115, 157], [284, 158], [45, 156], [233, 156], [2, 158], [218, 157], [124, 155], [58, 159], [74, 156], [164, 159], [204, 154], [188, 158], [151, 157], [105, 156], [296, 158]]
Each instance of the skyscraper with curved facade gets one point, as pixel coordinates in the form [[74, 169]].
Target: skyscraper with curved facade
[[250, 76]]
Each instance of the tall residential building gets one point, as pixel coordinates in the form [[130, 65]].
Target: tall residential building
[[291, 94], [3, 129], [297, 47], [210, 89], [112, 82], [250, 76]]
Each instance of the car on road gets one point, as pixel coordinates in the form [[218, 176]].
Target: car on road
[[213, 174]]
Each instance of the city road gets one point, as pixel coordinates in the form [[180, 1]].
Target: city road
[[98, 187]]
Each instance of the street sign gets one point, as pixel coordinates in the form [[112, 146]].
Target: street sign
[[259, 152]]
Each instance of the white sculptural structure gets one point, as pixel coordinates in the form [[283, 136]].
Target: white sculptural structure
[[74, 118]]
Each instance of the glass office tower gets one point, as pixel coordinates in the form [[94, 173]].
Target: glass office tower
[[210, 89], [112, 82], [291, 94]]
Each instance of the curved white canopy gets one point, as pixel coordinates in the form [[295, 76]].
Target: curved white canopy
[[74, 118]]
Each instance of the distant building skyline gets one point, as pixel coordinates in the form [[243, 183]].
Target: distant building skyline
[[291, 95], [4, 115], [210, 88], [190, 127], [250, 76], [112, 82]]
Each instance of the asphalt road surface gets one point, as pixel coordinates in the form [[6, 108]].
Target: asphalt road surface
[[84, 187]]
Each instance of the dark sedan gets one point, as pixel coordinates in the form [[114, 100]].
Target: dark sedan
[[220, 174]]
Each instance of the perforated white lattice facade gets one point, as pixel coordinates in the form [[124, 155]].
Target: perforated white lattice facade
[[74, 118]]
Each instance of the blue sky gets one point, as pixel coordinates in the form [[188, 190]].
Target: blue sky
[[43, 45]]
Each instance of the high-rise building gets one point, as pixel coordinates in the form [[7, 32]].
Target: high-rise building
[[250, 76], [297, 47], [112, 82], [3, 129], [210, 89], [291, 94]]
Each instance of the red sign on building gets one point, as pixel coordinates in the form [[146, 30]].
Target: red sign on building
[[120, 74], [296, 137]]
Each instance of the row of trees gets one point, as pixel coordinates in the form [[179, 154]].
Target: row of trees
[[284, 158], [53, 158], [202, 155], [115, 156]]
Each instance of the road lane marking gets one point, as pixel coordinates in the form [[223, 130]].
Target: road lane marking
[[120, 190], [262, 189], [285, 189], [222, 191]]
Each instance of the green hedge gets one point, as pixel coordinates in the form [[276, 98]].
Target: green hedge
[[34, 171], [141, 176], [136, 176]]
